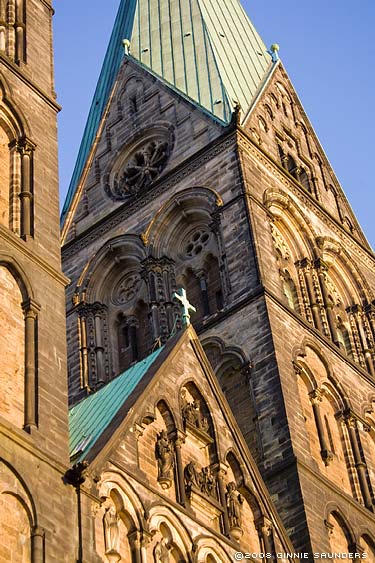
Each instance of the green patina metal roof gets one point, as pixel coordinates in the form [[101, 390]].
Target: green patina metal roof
[[207, 49], [89, 418]]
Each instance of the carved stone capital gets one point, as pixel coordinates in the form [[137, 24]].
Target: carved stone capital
[[264, 526], [30, 308], [25, 147], [304, 264], [316, 396], [220, 469], [320, 265]]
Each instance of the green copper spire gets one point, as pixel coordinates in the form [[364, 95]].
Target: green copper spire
[[206, 49]]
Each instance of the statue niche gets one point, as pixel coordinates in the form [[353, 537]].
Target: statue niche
[[111, 533], [165, 459], [192, 414], [203, 481]]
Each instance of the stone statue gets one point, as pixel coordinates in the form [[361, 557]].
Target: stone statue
[[191, 413], [207, 481], [164, 456], [161, 552], [111, 529], [234, 500], [191, 475]]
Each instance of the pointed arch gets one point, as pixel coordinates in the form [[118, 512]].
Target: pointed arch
[[113, 480], [291, 220], [159, 515], [19, 514], [124, 248], [19, 384], [195, 202], [335, 512], [16, 167], [205, 546]]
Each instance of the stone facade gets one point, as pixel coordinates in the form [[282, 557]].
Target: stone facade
[[251, 220], [175, 472], [273, 454], [36, 507]]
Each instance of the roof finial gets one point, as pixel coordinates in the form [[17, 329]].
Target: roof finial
[[185, 306], [274, 52], [126, 45]]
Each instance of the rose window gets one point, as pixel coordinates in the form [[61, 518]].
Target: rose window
[[142, 168], [196, 242], [127, 288]]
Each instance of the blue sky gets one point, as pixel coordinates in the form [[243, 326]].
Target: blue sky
[[327, 48]]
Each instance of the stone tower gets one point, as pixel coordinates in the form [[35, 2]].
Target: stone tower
[[33, 411], [199, 168]]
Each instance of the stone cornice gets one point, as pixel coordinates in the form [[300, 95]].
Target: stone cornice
[[165, 183], [320, 336], [284, 465], [249, 146], [27, 443], [22, 76], [26, 249]]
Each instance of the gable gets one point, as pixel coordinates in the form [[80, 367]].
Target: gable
[[210, 53], [278, 123], [147, 130], [179, 445]]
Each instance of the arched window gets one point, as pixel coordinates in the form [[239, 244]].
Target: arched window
[[304, 180], [290, 290], [343, 336], [18, 380], [5, 188], [291, 166], [16, 171]]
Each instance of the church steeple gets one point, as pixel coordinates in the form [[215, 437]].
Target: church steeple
[[209, 51]]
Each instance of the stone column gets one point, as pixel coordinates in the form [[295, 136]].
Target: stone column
[[30, 309], [135, 546], [360, 465], [10, 36], [265, 531], [82, 330], [2, 26], [99, 349], [328, 305], [305, 265], [37, 544], [364, 354], [26, 195], [179, 440], [316, 397], [221, 470], [145, 542], [20, 33]]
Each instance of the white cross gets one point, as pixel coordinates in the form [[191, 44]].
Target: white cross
[[186, 306]]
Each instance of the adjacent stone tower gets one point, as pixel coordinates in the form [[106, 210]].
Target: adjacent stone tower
[[33, 411], [177, 186]]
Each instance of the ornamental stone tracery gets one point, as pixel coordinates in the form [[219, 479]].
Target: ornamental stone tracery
[[127, 288], [142, 165]]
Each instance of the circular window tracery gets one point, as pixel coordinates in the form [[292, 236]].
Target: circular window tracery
[[144, 166], [196, 242], [127, 288], [140, 164]]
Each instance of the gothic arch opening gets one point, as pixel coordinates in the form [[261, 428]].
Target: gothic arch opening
[[340, 537], [12, 349], [5, 188], [17, 518]]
